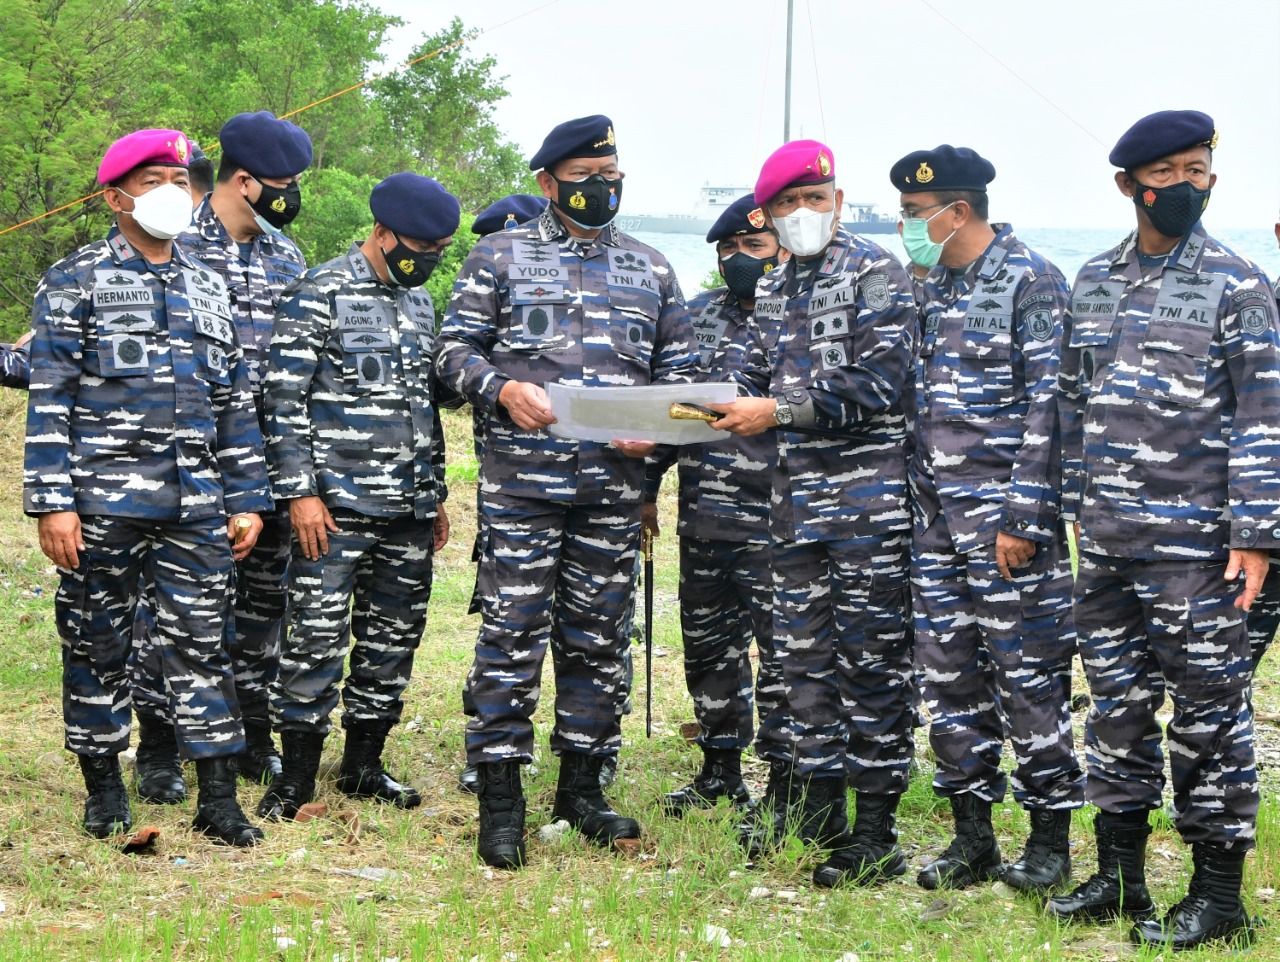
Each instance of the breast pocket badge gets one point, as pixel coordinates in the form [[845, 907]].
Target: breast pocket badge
[[128, 352], [373, 369], [833, 356]]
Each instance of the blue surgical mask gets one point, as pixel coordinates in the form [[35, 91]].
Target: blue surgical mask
[[919, 246]]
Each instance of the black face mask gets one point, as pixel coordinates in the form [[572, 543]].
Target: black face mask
[[741, 271], [589, 203], [278, 206], [1173, 210], [409, 268]]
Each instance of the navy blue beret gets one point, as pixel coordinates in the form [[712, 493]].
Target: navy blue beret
[[507, 213], [197, 153], [416, 207], [265, 146], [585, 137], [943, 168], [743, 216], [1161, 134]]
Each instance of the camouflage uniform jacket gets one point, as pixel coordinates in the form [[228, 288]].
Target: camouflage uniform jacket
[[725, 485], [986, 420], [836, 340], [533, 304], [1170, 404], [15, 366], [140, 405], [348, 393], [255, 285]]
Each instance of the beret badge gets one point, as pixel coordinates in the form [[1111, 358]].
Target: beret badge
[[924, 173], [607, 140]]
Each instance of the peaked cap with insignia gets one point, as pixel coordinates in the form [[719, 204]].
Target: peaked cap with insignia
[[943, 168], [585, 137]]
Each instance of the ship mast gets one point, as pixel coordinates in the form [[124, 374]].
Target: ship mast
[[786, 106]]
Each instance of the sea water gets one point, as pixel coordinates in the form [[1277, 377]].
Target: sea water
[[693, 258]]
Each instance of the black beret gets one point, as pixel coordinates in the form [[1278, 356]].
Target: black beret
[[1161, 134], [415, 206], [265, 146], [197, 153], [507, 213], [585, 137], [943, 168], [743, 216]]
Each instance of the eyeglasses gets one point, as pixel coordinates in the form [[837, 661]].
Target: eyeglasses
[[915, 214]]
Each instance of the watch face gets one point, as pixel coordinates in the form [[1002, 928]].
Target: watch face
[[783, 413]]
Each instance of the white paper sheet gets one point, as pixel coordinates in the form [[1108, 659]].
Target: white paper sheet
[[634, 413]]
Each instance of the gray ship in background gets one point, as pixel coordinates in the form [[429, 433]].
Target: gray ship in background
[[858, 218]]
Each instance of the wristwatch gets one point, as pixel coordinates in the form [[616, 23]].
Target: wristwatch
[[783, 413]]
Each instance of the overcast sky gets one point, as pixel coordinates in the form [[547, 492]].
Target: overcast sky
[[1042, 89]]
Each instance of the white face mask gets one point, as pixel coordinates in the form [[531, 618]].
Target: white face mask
[[164, 212], [805, 232]]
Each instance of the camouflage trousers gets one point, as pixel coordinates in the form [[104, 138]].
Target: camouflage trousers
[[840, 628], [630, 634], [559, 575], [189, 566], [1264, 615], [994, 660], [253, 631], [374, 583], [1151, 627], [726, 599]]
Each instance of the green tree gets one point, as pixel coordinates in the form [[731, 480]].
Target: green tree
[[441, 111], [335, 212], [281, 55], [73, 78]]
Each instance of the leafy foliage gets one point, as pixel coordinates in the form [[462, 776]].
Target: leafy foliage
[[77, 74]]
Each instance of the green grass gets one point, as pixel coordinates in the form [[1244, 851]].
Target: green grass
[[66, 896]]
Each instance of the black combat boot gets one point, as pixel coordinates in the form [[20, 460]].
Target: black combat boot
[[608, 770], [766, 823], [362, 774], [1119, 887], [259, 762], [156, 767], [296, 783], [823, 813], [1211, 910], [218, 814], [869, 852], [106, 809], [581, 803], [973, 855], [721, 777], [501, 841], [469, 780], [1046, 863]]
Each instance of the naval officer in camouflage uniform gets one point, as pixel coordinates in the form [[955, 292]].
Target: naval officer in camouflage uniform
[[1264, 616], [1170, 401], [726, 585], [237, 233], [356, 452], [570, 297], [990, 567], [143, 453], [831, 357]]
